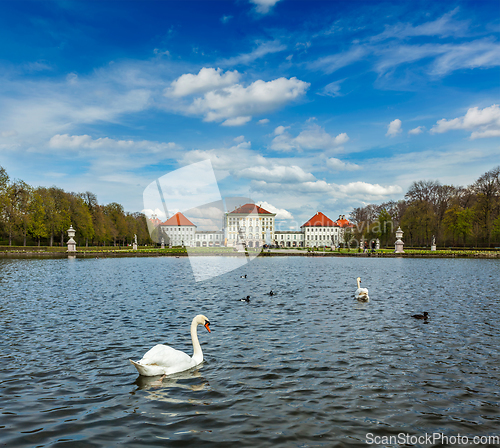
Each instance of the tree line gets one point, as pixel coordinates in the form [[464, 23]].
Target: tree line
[[455, 216], [31, 215]]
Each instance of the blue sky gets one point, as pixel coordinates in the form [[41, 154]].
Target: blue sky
[[300, 105]]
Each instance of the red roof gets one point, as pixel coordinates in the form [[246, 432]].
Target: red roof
[[320, 220], [250, 208], [344, 223], [178, 220]]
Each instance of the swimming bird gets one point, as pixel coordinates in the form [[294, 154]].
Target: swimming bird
[[361, 293], [165, 360], [243, 276], [424, 316], [272, 293], [245, 299]]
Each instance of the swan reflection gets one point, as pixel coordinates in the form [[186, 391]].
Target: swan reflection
[[166, 387]]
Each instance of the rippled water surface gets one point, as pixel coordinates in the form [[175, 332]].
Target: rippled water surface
[[309, 366]]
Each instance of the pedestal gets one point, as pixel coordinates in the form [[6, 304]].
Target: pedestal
[[163, 245], [71, 245], [399, 247], [433, 247], [71, 242], [134, 246]]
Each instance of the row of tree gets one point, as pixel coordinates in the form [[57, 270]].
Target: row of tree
[[33, 215], [455, 216]]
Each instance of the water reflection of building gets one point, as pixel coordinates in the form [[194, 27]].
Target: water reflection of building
[[249, 225]]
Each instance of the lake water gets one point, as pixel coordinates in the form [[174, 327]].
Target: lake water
[[307, 367]]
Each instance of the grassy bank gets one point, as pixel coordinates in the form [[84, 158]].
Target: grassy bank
[[43, 251]]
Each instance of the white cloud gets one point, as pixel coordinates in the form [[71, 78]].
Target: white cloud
[[480, 53], [262, 50], [352, 190], [263, 121], [276, 173], [281, 213], [485, 134], [264, 6], [161, 52], [238, 101], [364, 188], [239, 139], [483, 122], [225, 19], [207, 79], [280, 129], [338, 165], [86, 142], [332, 63], [313, 138], [444, 26], [236, 121], [332, 89], [11, 133], [401, 44], [394, 128], [416, 131], [226, 159]]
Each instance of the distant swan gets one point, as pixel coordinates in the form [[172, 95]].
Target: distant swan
[[165, 360], [424, 316], [361, 293]]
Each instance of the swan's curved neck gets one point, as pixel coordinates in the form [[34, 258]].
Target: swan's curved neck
[[197, 353], [359, 283]]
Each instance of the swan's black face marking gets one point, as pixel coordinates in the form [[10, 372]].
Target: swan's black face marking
[[207, 323]]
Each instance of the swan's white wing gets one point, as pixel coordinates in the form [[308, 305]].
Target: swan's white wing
[[165, 356]]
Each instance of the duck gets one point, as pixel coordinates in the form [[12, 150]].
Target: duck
[[165, 360], [424, 316], [361, 293], [272, 293], [243, 276], [245, 299]]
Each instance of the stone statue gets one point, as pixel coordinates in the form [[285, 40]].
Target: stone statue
[[433, 240], [135, 238]]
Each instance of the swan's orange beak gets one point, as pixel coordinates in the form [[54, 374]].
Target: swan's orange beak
[[207, 326]]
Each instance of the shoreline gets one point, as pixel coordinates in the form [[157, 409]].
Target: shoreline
[[44, 254]]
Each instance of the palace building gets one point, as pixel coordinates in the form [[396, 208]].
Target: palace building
[[180, 230], [251, 226]]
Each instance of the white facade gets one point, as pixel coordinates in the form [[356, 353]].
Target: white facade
[[316, 236], [289, 238], [209, 238], [179, 230], [180, 235], [250, 226], [322, 231]]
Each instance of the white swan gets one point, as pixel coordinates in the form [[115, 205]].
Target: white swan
[[165, 360], [361, 293]]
